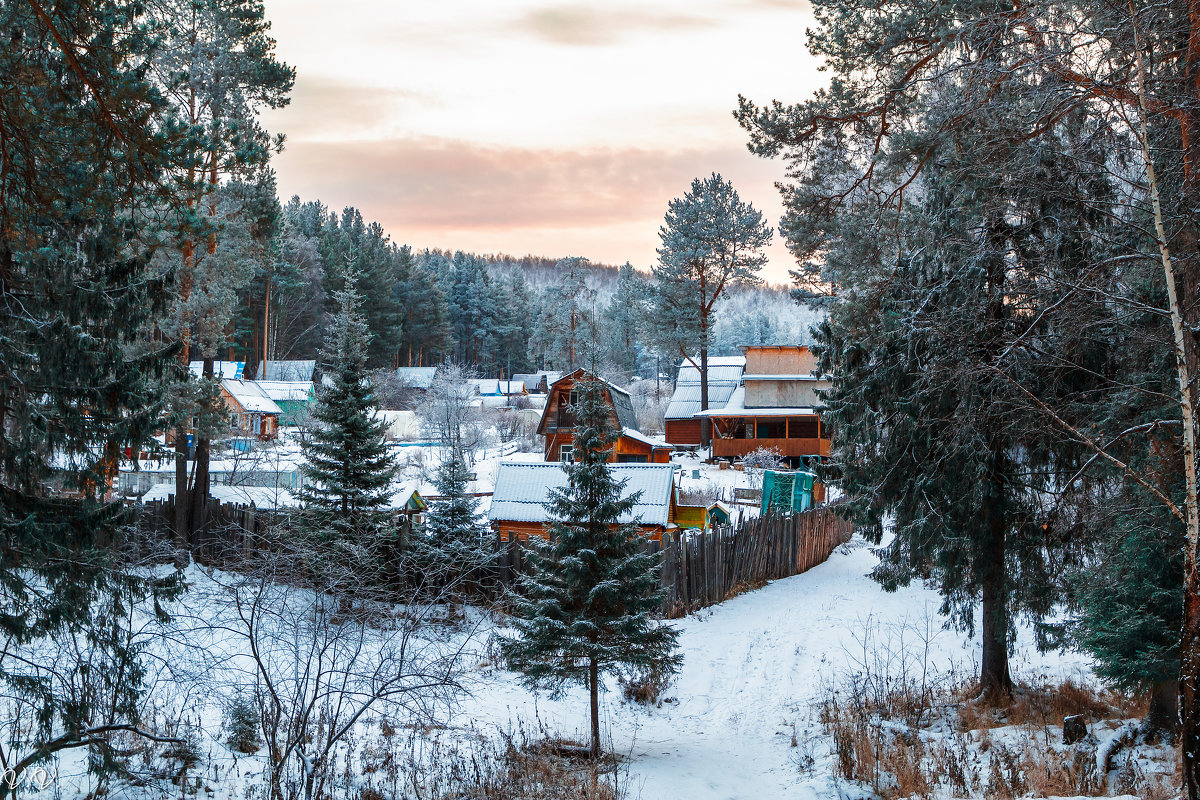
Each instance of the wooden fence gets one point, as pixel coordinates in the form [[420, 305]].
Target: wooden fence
[[704, 568], [228, 531], [698, 568]]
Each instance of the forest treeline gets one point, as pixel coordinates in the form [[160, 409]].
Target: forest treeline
[[495, 314]]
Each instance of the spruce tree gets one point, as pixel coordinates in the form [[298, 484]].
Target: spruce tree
[[348, 467], [455, 536], [585, 608], [712, 241]]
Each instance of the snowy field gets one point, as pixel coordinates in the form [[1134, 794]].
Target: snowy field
[[753, 669], [738, 722]]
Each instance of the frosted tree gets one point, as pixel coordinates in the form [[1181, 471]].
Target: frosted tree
[[348, 467], [711, 241], [586, 608]]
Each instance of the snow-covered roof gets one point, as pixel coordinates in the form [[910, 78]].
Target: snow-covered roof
[[685, 401], [720, 368], [724, 376], [736, 407], [634, 433], [408, 493], [417, 377], [287, 370], [221, 369], [286, 390], [250, 396], [522, 490], [258, 496], [791, 376]]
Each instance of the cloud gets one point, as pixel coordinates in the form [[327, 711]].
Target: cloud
[[328, 108], [440, 182], [603, 203], [593, 26]]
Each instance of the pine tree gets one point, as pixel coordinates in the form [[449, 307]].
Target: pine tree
[[88, 139], [712, 241], [586, 606], [348, 467]]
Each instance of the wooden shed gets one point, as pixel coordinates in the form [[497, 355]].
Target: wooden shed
[[518, 507]]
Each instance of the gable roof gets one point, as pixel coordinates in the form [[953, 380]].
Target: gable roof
[[417, 377], [522, 490], [287, 370], [724, 375], [622, 402], [250, 396], [221, 369]]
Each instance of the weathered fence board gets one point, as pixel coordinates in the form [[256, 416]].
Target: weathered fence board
[[704, 568]]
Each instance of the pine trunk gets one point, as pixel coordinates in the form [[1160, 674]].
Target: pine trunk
[[995, 682], [199, 495], [594, 689], [181, 496], [705, 422]]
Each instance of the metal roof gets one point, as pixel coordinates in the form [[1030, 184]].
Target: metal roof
[[522, 490], [417, 377], [685, 402], [250, 396], [221, 369], [720, 368], [287, 390], [287, 370]]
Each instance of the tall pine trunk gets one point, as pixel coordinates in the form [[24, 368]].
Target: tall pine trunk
[[995, 682], [200, 485], [705, 422], [594, 689]]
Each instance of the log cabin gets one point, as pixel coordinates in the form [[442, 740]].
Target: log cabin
[[518, 507], [557, 424]]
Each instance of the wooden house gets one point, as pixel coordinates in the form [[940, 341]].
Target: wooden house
[[775, 407], [724, 377], [252, 411], [518, 507], [294, 398], [557, 425]]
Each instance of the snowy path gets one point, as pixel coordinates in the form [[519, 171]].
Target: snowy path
[[753, 667]]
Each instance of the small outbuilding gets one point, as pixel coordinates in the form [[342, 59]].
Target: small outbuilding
[[518, 507]]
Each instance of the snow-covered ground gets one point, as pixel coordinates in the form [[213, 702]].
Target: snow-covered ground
[[739, 720], [754, 667]]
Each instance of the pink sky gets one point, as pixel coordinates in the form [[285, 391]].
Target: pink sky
[[526, 127]]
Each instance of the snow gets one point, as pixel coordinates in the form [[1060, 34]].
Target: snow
[[754, 667]]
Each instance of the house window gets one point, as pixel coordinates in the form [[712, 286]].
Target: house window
[[573, 397], [631, 458], [770, 429], [566, 454], [802, 428]]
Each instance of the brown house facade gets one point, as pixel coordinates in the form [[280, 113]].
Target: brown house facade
[[557, 426], [776, 406]]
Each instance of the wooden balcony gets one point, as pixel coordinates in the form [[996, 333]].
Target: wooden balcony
[[736, 448]]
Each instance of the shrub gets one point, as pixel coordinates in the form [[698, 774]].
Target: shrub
[[241, 725]]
